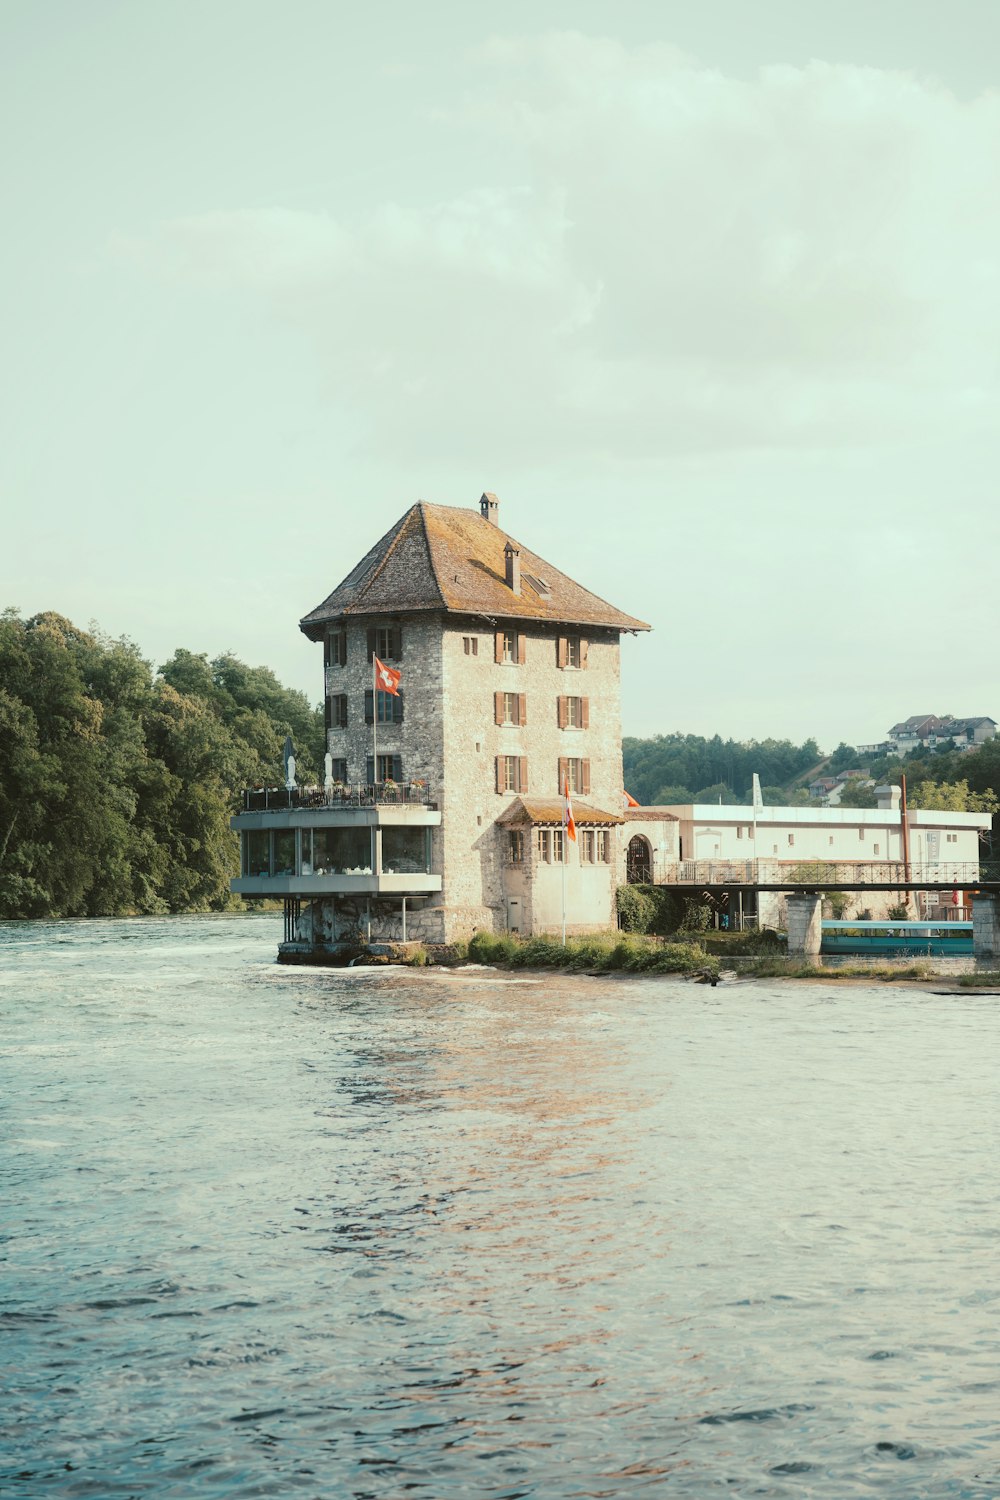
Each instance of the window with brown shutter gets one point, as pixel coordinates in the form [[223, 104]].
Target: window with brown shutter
[[509, 709], [573, 713], [338, 711], [498, 648], [512, 773], [571, 651], [385, 642], [576, 773], [511, 648]]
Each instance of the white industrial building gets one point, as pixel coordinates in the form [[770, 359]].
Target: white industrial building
[[710, 844]]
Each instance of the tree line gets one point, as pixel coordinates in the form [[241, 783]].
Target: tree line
[[117, 782], [680, 768], [689, 768]]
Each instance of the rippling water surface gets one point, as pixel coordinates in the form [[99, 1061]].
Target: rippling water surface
[[276, 1231]]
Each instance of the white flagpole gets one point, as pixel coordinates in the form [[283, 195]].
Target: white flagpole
[[757, 796], [565, 854], [374, 725]]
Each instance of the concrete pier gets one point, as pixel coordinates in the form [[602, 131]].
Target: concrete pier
[[986, 927], [805, 926]]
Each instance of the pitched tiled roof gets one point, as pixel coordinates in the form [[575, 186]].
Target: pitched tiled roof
[[441, 557], [649, 815], [550, 810]]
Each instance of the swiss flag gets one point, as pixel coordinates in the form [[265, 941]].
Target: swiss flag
[[568, 813], [387, 678]]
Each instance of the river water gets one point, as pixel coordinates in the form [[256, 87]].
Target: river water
[[274, 1231]]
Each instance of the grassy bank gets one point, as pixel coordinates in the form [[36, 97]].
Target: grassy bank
[[629, 953], [599, 953], [793, 968]]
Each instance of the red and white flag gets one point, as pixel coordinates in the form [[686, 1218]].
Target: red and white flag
[[387, 678], [568, 822]]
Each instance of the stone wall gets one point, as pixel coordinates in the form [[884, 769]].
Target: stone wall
[[449, 738], [479, 879], [417, 741]]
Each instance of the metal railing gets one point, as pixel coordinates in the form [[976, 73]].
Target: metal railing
[[843, 874], [371, 794]]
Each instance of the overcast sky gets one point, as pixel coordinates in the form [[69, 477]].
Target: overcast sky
[[708, 293]]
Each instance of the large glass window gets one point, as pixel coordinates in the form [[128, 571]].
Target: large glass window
[[257, 852], [284, 852], [342, 851], [405, 851]]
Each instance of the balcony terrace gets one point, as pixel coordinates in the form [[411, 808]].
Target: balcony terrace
[[372, 794], [365, 840]]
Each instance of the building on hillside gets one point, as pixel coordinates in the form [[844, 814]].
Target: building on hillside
[[821, 787], [859, 777], [927, 732], [719, 845], [453, 820]]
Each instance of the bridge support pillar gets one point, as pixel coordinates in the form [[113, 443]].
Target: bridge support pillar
[[986, 926], [805, 926]]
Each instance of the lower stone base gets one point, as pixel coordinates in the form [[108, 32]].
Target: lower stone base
[[355, 921], [344, 955]]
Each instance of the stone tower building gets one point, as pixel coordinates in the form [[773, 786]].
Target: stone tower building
[[445, 815]]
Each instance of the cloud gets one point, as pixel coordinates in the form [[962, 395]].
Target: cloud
[[689, 261]]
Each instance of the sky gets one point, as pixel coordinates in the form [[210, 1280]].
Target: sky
[[708, 294]]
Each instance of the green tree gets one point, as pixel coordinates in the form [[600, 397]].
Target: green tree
[[857, 794], [842, 759], [779, 796], [669, 796], [951, 796], [116, 789], [719, 792]]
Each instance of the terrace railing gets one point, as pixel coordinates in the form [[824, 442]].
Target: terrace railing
[[371, 794]]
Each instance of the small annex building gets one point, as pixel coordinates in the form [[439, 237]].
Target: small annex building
[[452, 821]]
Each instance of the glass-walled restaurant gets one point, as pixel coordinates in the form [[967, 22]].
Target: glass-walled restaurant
[[273, 852]]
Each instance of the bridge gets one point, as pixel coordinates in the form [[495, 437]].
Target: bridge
[[806, 883], [717, 876]]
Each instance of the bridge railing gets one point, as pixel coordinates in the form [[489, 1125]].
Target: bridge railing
[[848, 875]]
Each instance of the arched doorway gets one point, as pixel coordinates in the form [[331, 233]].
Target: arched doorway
[[639, 861]]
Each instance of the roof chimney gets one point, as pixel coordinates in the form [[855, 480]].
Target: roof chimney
[[489, 508], [888, 798], [512, 563]]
